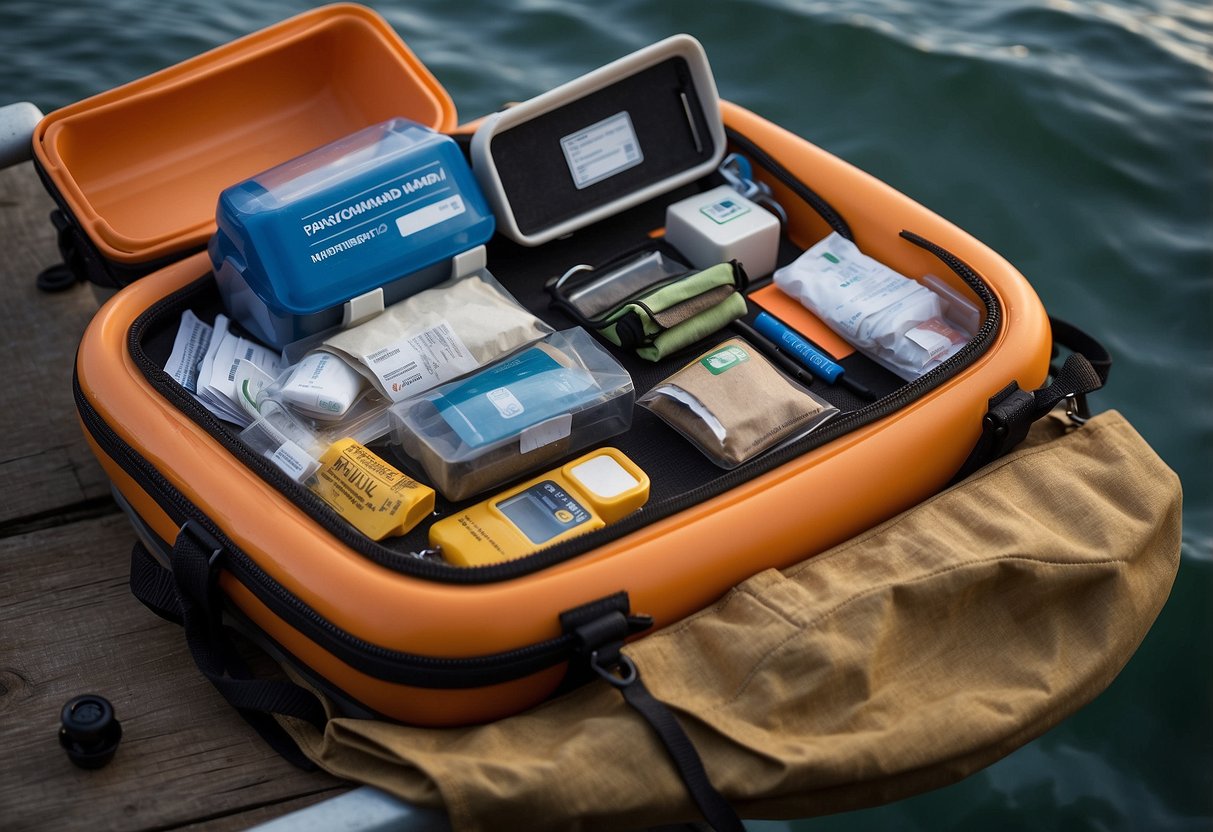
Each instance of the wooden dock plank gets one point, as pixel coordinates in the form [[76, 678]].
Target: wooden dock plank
[[45, 464], [69, 625]]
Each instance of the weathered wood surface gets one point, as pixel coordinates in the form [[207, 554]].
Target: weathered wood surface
[[68, 623], [45, 466]]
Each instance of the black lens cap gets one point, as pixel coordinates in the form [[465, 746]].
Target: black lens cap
[[89, 732]]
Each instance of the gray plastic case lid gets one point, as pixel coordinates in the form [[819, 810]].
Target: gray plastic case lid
[[620, 135]]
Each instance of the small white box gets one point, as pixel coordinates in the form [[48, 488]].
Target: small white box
[[720, 225]]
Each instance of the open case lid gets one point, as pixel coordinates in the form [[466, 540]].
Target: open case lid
[[613, 138], [141, 166]]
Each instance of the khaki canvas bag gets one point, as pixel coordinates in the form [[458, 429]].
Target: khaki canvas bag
[[897, 662]]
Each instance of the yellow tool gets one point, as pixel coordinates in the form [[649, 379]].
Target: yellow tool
[[584, 495]]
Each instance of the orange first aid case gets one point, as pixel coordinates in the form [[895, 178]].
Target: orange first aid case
[[387, 633]]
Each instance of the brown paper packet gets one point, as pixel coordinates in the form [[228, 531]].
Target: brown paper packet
[[733, 404]]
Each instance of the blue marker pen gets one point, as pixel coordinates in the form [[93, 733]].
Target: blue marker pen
[[818, 363]]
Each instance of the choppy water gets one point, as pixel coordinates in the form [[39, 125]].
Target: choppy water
[[1076, 138]]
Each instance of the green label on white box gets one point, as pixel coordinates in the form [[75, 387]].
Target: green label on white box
[[724, 210]]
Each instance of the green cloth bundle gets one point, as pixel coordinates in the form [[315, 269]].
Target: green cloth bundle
[[676, 314]]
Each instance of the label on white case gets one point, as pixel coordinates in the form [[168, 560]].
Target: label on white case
[[724, 210], [602, 150]]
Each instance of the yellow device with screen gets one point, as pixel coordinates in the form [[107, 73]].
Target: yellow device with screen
[[581, 496]]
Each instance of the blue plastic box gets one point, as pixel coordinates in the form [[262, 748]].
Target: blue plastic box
[[384, 208]]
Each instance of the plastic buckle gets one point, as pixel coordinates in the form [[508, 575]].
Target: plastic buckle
[[601, 642], [1008, 419]]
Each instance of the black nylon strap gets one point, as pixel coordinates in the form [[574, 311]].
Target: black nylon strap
[[715, 809], [186, 594], [1074, 339], [153, 585], [1077, 377]]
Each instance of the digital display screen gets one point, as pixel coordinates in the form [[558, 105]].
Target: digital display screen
[[543, 511]]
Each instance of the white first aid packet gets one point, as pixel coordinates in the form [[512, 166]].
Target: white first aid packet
[[212, 363], [189, 347], [892, 319], [322, 386], [437, 335]]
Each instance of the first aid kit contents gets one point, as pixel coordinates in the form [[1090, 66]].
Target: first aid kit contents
[[673, 313], [437, 335], [732, 404], [721, 225], [367, 491], [895, 321], [215, 364], [380, 211], [290, 419], [527, 410], [590, 492]]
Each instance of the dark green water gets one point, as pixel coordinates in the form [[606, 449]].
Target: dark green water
[[1076, 138]]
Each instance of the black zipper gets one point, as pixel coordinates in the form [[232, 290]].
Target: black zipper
[[815, 201], [389, 665]]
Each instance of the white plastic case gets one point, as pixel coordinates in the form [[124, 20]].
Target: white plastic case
[[601, 143]]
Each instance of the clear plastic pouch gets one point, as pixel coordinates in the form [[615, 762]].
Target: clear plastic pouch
[[593, 293], [295, 443], [897, 322], [540, 404]]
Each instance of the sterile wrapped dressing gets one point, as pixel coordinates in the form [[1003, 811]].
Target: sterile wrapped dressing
[[322, 386], [892, 319]]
